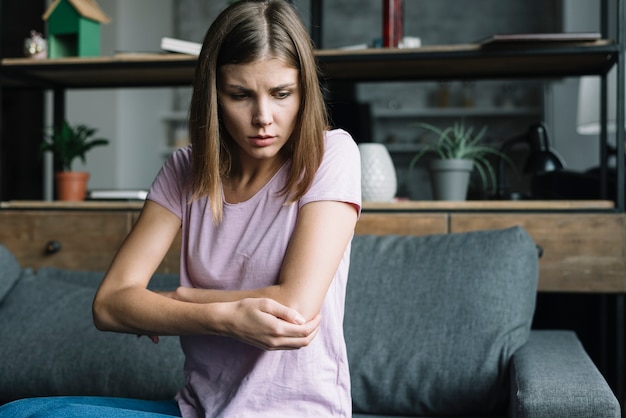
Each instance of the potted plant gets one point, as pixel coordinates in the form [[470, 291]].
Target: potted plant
[[68, 143], [458, 152]]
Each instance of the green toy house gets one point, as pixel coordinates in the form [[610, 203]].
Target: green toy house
[[74, 28]]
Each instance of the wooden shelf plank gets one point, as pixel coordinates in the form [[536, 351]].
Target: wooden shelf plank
[[490, 205], [122, 70], [470, 61], [63, 205], [407, 206]]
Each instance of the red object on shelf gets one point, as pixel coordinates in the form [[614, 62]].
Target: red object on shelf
[[393, 11]]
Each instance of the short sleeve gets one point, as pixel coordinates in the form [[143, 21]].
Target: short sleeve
[[168, 188], [339, 176]]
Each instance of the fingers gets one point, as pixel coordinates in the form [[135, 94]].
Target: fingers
[[292, 336], [269, 325], [290, 343], [283, 312], [153, 338], [284, 342]]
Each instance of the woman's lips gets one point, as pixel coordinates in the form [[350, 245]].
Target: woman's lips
[[262, 140]]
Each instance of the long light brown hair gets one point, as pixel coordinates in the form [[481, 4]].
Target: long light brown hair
[[247, 31]]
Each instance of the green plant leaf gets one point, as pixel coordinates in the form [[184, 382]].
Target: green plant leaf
[[68, 143]]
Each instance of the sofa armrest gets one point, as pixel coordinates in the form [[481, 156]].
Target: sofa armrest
[[552, 375]]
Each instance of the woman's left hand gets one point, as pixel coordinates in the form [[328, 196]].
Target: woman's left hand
[[267, 324]]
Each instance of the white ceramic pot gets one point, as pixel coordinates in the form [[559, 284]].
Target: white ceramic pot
[[378, 174]]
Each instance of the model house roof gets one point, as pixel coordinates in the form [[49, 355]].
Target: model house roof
[[88, 9]]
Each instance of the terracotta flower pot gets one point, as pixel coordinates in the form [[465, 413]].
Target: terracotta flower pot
[[71, 185]]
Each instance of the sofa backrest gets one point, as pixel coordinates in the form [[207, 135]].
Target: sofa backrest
[[431, 322], [50, 347], [11, 271]]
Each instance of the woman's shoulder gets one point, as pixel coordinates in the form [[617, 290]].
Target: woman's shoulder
[[337, 134], [176, 169], [338, 177], [179, 160], [182, 155], [339, 139], [340, 150]]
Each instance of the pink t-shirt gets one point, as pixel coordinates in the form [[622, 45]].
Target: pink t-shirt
[[228, 378]]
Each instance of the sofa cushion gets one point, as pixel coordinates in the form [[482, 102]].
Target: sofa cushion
[[11, 271], [51, 347], [92, 279], [431, 322]]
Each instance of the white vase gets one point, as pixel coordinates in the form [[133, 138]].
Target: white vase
[[378, 174]]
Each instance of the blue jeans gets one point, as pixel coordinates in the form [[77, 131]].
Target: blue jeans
[[88, 406]]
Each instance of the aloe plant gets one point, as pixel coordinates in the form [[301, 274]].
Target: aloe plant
[[70, 142], [461, 142]]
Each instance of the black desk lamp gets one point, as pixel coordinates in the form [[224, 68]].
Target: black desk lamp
[[541, 158]]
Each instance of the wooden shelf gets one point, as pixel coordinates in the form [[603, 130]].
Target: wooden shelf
[[122, 70], [63, 205], [441, 62], [470, 61], [397, 206], [489, 205]]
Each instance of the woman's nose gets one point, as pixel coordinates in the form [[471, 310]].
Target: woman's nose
[[262, 115]]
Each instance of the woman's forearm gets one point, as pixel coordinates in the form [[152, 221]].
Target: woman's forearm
[[195, 295], [141, 311], [261, 322]]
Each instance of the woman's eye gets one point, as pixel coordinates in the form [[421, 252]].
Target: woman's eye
[[238, 96], [282, 94]]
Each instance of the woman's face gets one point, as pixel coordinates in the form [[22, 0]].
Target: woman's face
[[259, 102]]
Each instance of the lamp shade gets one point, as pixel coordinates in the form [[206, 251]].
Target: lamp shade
[[588, 122], [542, 158]]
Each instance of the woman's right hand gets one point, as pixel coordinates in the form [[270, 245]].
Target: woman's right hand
[[267, 324]]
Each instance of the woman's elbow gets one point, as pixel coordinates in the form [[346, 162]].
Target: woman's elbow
[[100, 314], [307, 310]]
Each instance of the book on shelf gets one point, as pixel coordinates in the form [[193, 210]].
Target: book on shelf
[[180, 46], [116, 194]]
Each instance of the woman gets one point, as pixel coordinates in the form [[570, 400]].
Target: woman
[[266, 199]]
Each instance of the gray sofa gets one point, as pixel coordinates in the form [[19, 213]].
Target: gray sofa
[[435, 326]]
